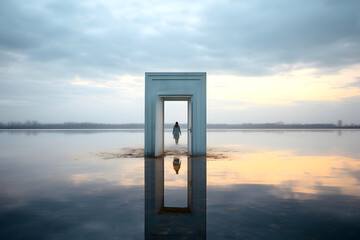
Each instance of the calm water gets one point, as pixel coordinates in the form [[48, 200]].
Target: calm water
[[253, 185]]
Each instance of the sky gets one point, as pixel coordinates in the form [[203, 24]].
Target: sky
[[266, 61]]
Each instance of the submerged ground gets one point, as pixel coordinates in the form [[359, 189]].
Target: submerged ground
[[258, 185]]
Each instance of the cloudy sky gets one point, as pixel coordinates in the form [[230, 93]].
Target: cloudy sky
[[266, 61]]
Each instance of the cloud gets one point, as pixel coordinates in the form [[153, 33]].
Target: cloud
[[356, 83], [226, 36], [46, 44]]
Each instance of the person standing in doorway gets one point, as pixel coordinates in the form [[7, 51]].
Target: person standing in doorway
[[176, 132]]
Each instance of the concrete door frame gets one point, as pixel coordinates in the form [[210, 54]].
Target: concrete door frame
[[160, 87]]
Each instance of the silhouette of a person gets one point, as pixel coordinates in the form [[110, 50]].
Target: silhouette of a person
[[176, 132], [176, 164]]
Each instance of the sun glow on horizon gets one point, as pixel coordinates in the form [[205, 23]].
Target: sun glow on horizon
[[285, 88], [236, 92]]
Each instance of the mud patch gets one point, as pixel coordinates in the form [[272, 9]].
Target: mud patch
[[217, 156], [124, 153], [139, 153]]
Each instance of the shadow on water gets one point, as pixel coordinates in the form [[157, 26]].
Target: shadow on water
[[162, 222]]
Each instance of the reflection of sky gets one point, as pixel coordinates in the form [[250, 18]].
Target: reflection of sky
[[279, 182], [256, 211], [302, 161], [304, 174]]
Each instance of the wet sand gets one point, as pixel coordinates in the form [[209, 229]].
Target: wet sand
[[213, 154]]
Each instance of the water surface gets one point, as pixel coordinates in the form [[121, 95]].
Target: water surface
[[253, 185]]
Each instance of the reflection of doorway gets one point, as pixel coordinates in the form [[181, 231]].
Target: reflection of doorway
[[176, 222], [175, 111]]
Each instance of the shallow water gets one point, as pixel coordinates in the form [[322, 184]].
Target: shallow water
[[265, 185]]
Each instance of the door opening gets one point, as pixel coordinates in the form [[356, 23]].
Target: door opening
[[175, 111], [165, 130]]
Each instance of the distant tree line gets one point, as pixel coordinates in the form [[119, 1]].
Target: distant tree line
[[68, 125], [88, 125], [281, 126]]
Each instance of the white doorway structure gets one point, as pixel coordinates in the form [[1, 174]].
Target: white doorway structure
[[184, 86]]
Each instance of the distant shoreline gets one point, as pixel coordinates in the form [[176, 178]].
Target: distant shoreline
[[140, 126], [141, 129]]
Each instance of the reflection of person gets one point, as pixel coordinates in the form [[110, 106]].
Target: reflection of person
[[176, 164], [176, 132]]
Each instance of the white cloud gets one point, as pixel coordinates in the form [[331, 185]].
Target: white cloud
[[256, 53]]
